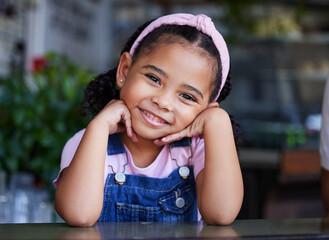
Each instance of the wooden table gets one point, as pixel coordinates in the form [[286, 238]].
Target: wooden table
[[241, 229]]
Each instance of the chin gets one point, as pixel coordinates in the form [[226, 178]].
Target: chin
[[149, 135]]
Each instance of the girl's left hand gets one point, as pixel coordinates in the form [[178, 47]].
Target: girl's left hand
[[192, 130]]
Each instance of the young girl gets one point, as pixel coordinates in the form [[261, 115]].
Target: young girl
[[160, 148]]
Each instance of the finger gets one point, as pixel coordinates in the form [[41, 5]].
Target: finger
[[213, 105], [126, 118], [158, 142], [127, 122], [134, 137], [171, 138]]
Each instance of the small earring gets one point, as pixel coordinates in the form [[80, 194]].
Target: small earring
[[121, 80]]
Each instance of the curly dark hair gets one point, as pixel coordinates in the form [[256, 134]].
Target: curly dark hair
[[102, 88]]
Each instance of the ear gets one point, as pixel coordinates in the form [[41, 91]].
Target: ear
[[213, 105], [123, 68]]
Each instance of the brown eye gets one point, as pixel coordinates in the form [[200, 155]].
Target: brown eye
[[153, 78], [188, 97]]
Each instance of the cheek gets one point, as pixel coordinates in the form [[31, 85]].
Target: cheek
[[187, 116], [124, 93], [128, 91], [132, 94]]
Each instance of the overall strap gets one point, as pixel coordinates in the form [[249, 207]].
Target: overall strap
[[115, 145], [184, 142]]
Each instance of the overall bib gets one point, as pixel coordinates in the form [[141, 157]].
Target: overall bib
[[148, 199]]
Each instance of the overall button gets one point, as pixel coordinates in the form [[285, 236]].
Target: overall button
[[120, 178], [184, 172], [180, 202]]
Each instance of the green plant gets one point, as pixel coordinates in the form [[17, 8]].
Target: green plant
[[38, 118], [251, 18]]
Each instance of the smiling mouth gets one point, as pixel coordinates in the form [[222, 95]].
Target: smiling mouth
[[152, 119]]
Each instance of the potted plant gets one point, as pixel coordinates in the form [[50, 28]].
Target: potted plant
[[37, 118]]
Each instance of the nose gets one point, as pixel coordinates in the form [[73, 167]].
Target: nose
[[165, 101]]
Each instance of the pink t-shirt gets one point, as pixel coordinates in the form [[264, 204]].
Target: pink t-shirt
[[160, 168]]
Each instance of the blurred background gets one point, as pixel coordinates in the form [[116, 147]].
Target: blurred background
[[50, 50]]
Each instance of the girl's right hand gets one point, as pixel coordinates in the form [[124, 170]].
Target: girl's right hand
[[80, 192], [115, 116]]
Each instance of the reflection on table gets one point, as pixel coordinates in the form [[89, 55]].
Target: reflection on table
[[247, 229]]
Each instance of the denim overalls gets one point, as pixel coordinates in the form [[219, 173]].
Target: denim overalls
[[148, 199]]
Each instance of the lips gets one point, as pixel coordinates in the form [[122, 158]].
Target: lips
[[153, 119]]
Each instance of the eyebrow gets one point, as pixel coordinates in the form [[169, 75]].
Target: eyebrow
[[191, 88], [156, 69], [160, 71]]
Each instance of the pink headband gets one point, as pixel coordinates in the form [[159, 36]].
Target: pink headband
[[200, 22]]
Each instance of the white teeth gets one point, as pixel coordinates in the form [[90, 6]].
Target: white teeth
[[153, 117]]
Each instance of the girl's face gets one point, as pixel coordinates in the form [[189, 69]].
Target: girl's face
[[165, 89]]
